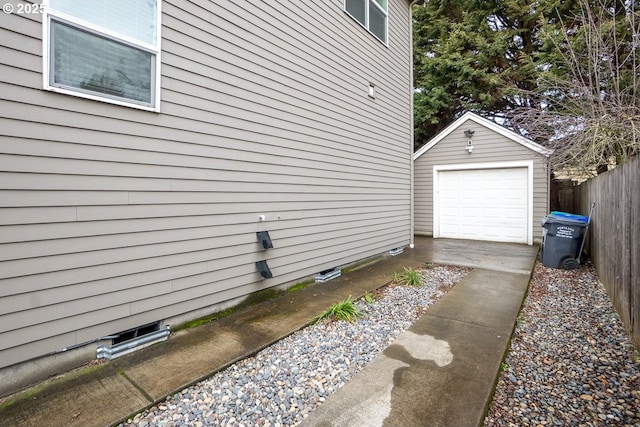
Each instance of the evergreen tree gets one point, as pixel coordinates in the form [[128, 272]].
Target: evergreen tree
[[565, 73], [475, 55]]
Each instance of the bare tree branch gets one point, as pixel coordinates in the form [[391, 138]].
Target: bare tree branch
[[588, 94]]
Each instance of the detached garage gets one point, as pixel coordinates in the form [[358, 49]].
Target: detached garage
[[478, 180]]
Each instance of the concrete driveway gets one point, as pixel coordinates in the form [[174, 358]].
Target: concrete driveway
[[443, 370]]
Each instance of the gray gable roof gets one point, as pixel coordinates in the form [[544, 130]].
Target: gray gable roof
[[487, 124]]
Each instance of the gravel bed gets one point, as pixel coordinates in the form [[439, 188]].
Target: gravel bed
[[570, 361], [285, 382]]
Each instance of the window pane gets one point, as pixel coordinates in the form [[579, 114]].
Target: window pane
[[377, 22], [95, 64], [357, 9], [133, 18], [383, 4]]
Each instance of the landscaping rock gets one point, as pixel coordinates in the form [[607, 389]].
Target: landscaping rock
[[571, 355]]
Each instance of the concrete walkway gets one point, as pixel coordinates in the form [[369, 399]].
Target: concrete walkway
[[441, 372]]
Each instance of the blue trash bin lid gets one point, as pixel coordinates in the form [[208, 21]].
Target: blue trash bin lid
[[569, 216]]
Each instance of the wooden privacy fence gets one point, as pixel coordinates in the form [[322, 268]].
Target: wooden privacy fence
[[614, 237]]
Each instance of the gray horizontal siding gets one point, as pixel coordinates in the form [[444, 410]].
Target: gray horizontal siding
[[112, 217], [489, 147]]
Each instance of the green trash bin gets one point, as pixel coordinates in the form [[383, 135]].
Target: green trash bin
[[562, 239]]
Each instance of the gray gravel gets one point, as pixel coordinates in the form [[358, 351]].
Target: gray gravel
[[570, 362], [286, 381]]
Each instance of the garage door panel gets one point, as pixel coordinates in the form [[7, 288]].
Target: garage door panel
[[492, 213], [484, 204], [492, 232]]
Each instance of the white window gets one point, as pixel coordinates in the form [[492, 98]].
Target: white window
[[371, 14], [106, 50]]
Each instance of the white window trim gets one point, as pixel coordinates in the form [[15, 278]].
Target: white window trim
[[93, 28], [366, 18], [472, 166]]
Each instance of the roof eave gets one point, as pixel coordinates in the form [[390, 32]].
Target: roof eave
[[488, 124]]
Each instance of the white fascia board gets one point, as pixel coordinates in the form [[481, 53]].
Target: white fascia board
[[489, 125], [441, 135]]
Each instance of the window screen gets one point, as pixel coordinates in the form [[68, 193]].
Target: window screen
[[105, 49]]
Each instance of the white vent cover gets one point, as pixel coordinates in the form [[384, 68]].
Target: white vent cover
[[114, 351], [396, 251], [326, 275]]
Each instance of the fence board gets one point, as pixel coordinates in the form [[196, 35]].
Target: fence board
[[614, 237]]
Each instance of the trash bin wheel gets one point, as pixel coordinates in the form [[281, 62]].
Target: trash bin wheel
[[570, 263]]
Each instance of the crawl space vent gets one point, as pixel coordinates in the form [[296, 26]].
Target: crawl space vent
[[396, 251], [326, 275], [128, 341]]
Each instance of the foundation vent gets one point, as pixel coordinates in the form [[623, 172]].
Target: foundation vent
[[396, 251], [326, 275], [128, 341]]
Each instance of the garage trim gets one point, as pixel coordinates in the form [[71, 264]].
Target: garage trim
[[472, 166], [487, 124]]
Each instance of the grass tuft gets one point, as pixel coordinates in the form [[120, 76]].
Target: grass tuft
[[343, 310], [410, 277], [397, 277]]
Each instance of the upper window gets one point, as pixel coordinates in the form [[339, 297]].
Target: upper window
[[372, 14], [107, 50]]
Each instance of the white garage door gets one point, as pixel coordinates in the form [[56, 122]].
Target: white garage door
[[482, 204]]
